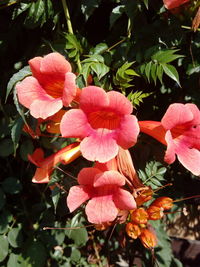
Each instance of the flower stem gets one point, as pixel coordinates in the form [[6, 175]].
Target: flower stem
[[70, 28]]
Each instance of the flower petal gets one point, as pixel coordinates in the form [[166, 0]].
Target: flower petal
[[77, 196], [93, 99], [28, 90], [196, 113], [119, 104], [176, 114], [99, 146], [42, 174], [54, 63], [109, 178], [171, 148], [45, 107], [124, 200], [69, 91], [87, 175], [101, 209], [74, 124], [190, 159], [128, 132]]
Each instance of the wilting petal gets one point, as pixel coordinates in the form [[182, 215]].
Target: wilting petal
[[28, 90], [87, 175], [69, 91], [190, 159], [124, 200], [171, 148], [119, 103], [128, 132], [109, 178], [77, 196], [100, 146], [176, 114], [93, 98], [74, 124], [45, 106], [101, 209]]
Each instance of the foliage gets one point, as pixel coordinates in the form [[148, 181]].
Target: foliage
[[136, 47]]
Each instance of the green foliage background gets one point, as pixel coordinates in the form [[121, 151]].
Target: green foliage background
[[136, 47]]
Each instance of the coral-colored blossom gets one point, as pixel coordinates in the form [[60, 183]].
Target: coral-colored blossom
[[45, 166], [104, 192], [170, 4], [103, 122], [179, 129], [51, 87], [148, 238]]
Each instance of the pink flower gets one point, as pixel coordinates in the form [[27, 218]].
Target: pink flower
[[170, 4], [51, 87], [103, 122], [103, 190], [179, 129]]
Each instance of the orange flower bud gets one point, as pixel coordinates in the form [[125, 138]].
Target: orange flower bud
[[139, 216], [133, 230], [165, 202], [148, 238], [155, 213], [144, 196], [102, 226]]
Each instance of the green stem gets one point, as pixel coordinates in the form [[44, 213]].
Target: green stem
[[70, 29]]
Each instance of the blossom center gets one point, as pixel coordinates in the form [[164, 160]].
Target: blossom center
[[104, 119], [55, 89]]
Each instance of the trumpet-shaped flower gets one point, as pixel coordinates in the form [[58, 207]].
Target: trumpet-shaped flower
[[170, 4], [45, 166], [103, 122], [179, 129], [104, 192], [51, 87]]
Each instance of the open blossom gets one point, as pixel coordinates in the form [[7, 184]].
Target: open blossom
[[170, 4], [179, 129], [45, 166], [104, 192], [103, 122], [51, 87]]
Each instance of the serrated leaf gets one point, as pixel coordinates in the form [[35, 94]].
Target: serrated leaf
[[20, 75], [171, 72], [99, 48], [55, 195], [159, 72], [153, 72], [166, 56], [100, 69]]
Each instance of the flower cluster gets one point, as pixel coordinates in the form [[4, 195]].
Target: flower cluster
[[103, 124]]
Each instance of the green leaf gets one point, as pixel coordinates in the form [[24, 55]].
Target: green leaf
[[166, 56], [79, 235], [100, 69], [5, 218], [6, 146], [20, 75], [148, 70], [55, 195], [2, 199], [26, 148], [13, 261], [16, 132], [88, 7], [153, 72], [4, 247], [159, 72], [11, 185], [116, 14], [75, 255], [35, 254], [171, 72], [99, 48], [15, 237]]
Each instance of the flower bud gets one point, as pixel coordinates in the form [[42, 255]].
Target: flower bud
[[155, 213], [148, 238], [133, 230], [144, 196], [165, 202], [139, 216]]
